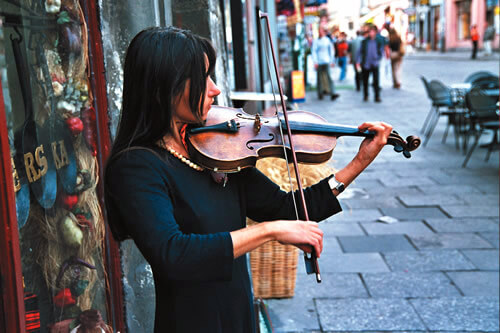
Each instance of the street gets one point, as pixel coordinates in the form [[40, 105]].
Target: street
[[436, 268]]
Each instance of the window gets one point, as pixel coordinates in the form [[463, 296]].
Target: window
[[463, 19], [52, 136]]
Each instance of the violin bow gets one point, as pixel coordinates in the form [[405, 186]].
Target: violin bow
[[311, 261]]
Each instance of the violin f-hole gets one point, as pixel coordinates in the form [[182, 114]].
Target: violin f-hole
[[250, 142]]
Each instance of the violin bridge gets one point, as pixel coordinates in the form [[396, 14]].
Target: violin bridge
[[257, 125]]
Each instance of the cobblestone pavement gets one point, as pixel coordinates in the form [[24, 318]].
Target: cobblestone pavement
[[437, 268]]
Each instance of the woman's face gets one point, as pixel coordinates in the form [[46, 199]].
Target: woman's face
[[183, 112]]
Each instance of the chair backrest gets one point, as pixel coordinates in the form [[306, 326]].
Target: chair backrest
[[478, 75], [426, 85], [481, 105], [490, 82], [440, 93]]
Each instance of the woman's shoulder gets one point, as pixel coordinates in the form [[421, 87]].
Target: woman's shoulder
[[144, 158]]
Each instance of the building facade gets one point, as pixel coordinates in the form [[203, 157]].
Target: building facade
[[445, 25]]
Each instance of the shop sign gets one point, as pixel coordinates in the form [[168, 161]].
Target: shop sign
[[298, 87]]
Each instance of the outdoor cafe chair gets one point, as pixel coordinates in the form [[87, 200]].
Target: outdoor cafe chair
[[483, 116], [441, 97], [431, 111], [489, 82], [477, 76]]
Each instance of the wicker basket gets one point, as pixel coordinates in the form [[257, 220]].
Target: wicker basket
[[274, 269], [273, 265]]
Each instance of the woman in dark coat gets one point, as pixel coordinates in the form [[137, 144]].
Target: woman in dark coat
[[188, 224]]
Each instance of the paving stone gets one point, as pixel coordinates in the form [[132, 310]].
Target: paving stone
[[367, 315], [384, 191], [480, 199], [371, 202], [293, 315], [413, 214], [427, 261], [407, 228], [333, 285], [353, 263], [430, 200], [491, 237], [459, 314], [463, 225], [406, 181], [469, 179], [379, 243], [471, 211], [405, 284], [330, 246], [367, 184], [476, 283], [450, 241], [357, 215], [331, 228], [448, 189], [483, 259]]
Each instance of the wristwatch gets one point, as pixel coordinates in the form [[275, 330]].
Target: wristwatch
[[336, 185]]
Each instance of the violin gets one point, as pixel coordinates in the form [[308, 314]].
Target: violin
[[231, 139]]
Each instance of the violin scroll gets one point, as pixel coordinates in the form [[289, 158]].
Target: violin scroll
[[403, 146]]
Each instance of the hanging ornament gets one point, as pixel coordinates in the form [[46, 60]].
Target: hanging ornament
[[71, 234], [91, 322], [75, 125], [90, 129], [83, 181], [64, 298], [79, 287], [68, 201], [52, 6]]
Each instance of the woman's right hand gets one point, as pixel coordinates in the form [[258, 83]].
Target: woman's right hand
[[302, 234]]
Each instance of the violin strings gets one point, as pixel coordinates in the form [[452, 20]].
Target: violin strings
[[279, 122]]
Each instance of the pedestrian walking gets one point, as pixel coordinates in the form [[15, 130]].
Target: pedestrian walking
[[353, 50], [397, 52], [189, 222], [489, 36], [323, 55], [368, 59], [342, 50], [474, 36]]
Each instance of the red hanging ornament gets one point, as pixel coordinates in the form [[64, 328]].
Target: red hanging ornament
[[90, 129], [68, 201], [75, 125], [64, 298]]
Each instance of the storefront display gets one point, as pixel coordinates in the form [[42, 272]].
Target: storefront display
[[51, 122]]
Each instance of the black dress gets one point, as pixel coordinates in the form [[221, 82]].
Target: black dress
[[180, 220]]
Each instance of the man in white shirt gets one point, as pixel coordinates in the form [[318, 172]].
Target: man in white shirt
[[323, 55]]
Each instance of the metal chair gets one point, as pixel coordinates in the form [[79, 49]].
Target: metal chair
[[441, 98], [478, 75], [429, 114], [487, 82], [483, 116]]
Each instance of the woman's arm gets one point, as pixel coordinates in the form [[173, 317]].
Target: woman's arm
[[299, 233], [368, 150]]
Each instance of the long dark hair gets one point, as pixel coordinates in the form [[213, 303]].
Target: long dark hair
[[159, 63], [158, 66]]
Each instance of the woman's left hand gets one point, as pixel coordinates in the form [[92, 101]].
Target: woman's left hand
[[371, 147]]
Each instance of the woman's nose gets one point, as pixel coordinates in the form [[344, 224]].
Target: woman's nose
[[213, 89]]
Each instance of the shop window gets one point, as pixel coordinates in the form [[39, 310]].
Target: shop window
[[52, 134], [463, 19]]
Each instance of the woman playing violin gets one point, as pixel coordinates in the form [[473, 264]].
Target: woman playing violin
[[188, 225]]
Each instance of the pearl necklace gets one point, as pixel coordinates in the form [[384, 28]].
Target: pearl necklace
[[186, 161]]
